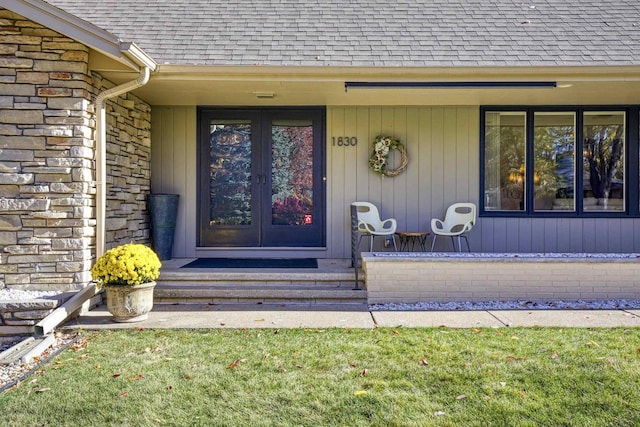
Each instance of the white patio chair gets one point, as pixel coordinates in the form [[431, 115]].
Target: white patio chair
[[370, 224], [458, 222]]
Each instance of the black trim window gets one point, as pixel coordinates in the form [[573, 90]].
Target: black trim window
[[576, 161]]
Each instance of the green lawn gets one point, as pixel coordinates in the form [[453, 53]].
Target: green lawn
[[337, 377]]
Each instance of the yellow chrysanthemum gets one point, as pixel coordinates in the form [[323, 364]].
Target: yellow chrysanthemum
[[130, 264]]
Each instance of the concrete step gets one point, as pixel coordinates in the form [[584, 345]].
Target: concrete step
[[271, 293], [333, 282], [266, 277]]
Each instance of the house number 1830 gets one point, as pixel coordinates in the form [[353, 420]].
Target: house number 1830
[[344, 141]]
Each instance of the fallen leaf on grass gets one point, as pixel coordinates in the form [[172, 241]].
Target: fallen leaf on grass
[[396, 332], [116, 375], [593, 344], [236, 363], [522, 393], [476, 331], [42, 390], [124, 394], [138, 377], [170, 387], [97, 367], [554, 356], [299, 366], [461, 397], [364, 372], [80, 344], [360, 392], [423, 362], [512, 358]]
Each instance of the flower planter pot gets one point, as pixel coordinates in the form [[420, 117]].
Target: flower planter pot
[[130, 303]]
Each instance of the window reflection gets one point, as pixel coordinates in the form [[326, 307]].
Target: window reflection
[[504, 176], [292, 179], [230, 172], [603, 161], [554, 161]]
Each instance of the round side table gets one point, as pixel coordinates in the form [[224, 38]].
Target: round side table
[[411, 238]]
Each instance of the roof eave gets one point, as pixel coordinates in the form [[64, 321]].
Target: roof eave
[[196, 72]]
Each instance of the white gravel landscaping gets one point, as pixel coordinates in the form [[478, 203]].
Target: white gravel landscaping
[[510, 305], [8, 294]]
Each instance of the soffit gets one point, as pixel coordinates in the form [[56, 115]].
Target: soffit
[[326, 86]]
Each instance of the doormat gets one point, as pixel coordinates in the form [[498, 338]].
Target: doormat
[[253, 263]]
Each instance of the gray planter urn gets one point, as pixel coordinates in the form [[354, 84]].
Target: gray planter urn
[[163, 211], [128, 303]]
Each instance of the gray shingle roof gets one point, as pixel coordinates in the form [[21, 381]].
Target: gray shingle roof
[[401, 33]]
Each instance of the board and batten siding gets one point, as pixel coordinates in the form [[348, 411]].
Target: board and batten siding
[[443, 150], [444, 168], [174, 169]]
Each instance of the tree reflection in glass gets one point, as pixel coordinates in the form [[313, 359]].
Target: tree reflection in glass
[[554, 161], [504, 175], [603, 161]]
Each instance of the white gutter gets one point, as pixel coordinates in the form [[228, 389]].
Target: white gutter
[[101, 152]]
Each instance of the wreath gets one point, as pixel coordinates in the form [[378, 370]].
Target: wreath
[[382, 145]]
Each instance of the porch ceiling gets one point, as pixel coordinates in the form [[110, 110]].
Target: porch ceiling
[[174, 85]]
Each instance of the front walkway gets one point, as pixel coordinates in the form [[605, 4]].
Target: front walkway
[[195, 316]]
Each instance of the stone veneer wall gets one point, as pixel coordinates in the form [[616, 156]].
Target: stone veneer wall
[[47, 189], [128, 167]]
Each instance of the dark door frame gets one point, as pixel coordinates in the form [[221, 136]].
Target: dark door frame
[[261, 233]]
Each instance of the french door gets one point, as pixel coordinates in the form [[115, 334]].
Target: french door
[[261, 177]]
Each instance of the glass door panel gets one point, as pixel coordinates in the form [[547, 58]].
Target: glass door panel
[[295, 210], [291, 182], [230, 173], [229, 162]]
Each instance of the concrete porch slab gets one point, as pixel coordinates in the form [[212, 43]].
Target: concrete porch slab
[[568, 318], [434, 319], [195, 316]]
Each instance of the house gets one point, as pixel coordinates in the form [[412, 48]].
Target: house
[[261, 116]]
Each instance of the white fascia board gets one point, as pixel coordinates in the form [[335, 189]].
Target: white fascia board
[[196, 72], [80, 30]]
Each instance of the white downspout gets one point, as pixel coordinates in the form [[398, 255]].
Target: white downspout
[[101, 152]]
